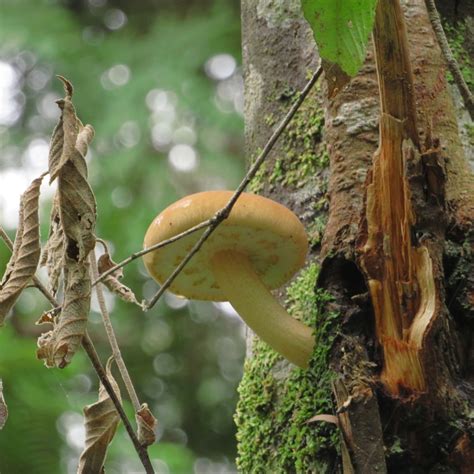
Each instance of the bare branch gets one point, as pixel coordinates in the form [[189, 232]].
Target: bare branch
[[225, 211], [112, 338], [449, 57], [139, 254], [94, 357]]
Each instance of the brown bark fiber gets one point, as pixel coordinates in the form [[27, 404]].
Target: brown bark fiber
[[397, 252], [419, 189]]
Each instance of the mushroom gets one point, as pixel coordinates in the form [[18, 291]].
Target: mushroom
[[259, 247]]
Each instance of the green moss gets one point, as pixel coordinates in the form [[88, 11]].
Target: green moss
[[304, 153], [470, 132], [315, 230], [258, 181], [271, 416], [456, 35]]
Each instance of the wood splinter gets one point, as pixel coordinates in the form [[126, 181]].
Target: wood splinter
[[399, 273]]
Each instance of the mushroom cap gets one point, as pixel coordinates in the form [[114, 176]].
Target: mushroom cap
[[267, 233]]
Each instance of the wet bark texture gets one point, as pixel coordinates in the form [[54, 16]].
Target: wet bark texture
[[399, 426]]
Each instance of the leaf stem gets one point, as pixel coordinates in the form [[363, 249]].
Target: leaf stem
[[112, 338], [141, 450]]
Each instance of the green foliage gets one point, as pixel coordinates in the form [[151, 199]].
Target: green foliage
[[30, 441], [341, 30], [456, 35], [271, 416]]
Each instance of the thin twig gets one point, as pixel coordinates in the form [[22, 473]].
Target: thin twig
[[136, 255], [93, 356], [449, 57], [225, 211], [96, 363], [112, 338]]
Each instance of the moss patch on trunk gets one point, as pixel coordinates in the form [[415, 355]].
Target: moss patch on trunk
[[272, 412]]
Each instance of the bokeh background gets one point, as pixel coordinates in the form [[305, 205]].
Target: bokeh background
[[160, 81]]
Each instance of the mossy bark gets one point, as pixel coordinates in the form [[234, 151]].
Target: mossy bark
[[425, 430]]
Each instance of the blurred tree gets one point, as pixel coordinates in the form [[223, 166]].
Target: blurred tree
[[161, 84]]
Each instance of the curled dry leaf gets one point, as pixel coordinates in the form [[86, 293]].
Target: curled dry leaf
[[101, 420], [3, 407], [77, 208], [26, 250], [58, 346], [63, 140], [112, 281], [71, 237], [146, 425], [53, 252], [327, 418], [76, 201], [48, 316]]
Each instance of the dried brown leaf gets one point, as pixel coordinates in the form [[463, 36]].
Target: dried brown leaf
[[77, 208], [112, 281], [3, 407], [57, 347], [49, 316], [121, 290], [63, 140], [53, 251], [76, 202], [146, 425], [26, 250], [327, 418], [71, 236], [105, 263], [101, 420]]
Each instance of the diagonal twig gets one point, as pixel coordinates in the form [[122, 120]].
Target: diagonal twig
[[449, 57], [222, 214], [140, 253], [112, 339]]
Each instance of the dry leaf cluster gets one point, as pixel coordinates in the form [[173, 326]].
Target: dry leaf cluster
[[66, 255]]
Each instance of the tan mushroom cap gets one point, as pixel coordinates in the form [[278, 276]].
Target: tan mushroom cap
[[269, 234]]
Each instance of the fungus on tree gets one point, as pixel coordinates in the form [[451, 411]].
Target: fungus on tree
[[259, 247]]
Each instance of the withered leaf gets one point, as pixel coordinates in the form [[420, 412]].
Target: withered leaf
[[101, 421], [112, 281], [77, 208], [53, 251], [26, 250], [57, 347], [3, 407], [76, 202], [63, 140], [48, 316], [146, 425], [323, 417]]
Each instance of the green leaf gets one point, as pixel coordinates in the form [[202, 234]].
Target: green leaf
[[341, 29]]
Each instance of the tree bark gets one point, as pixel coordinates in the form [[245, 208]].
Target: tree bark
[[399, 425]]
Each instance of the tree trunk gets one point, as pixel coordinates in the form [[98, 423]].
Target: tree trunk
[[403, 405]]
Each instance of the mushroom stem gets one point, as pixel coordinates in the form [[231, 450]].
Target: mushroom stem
[[260, 310]]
